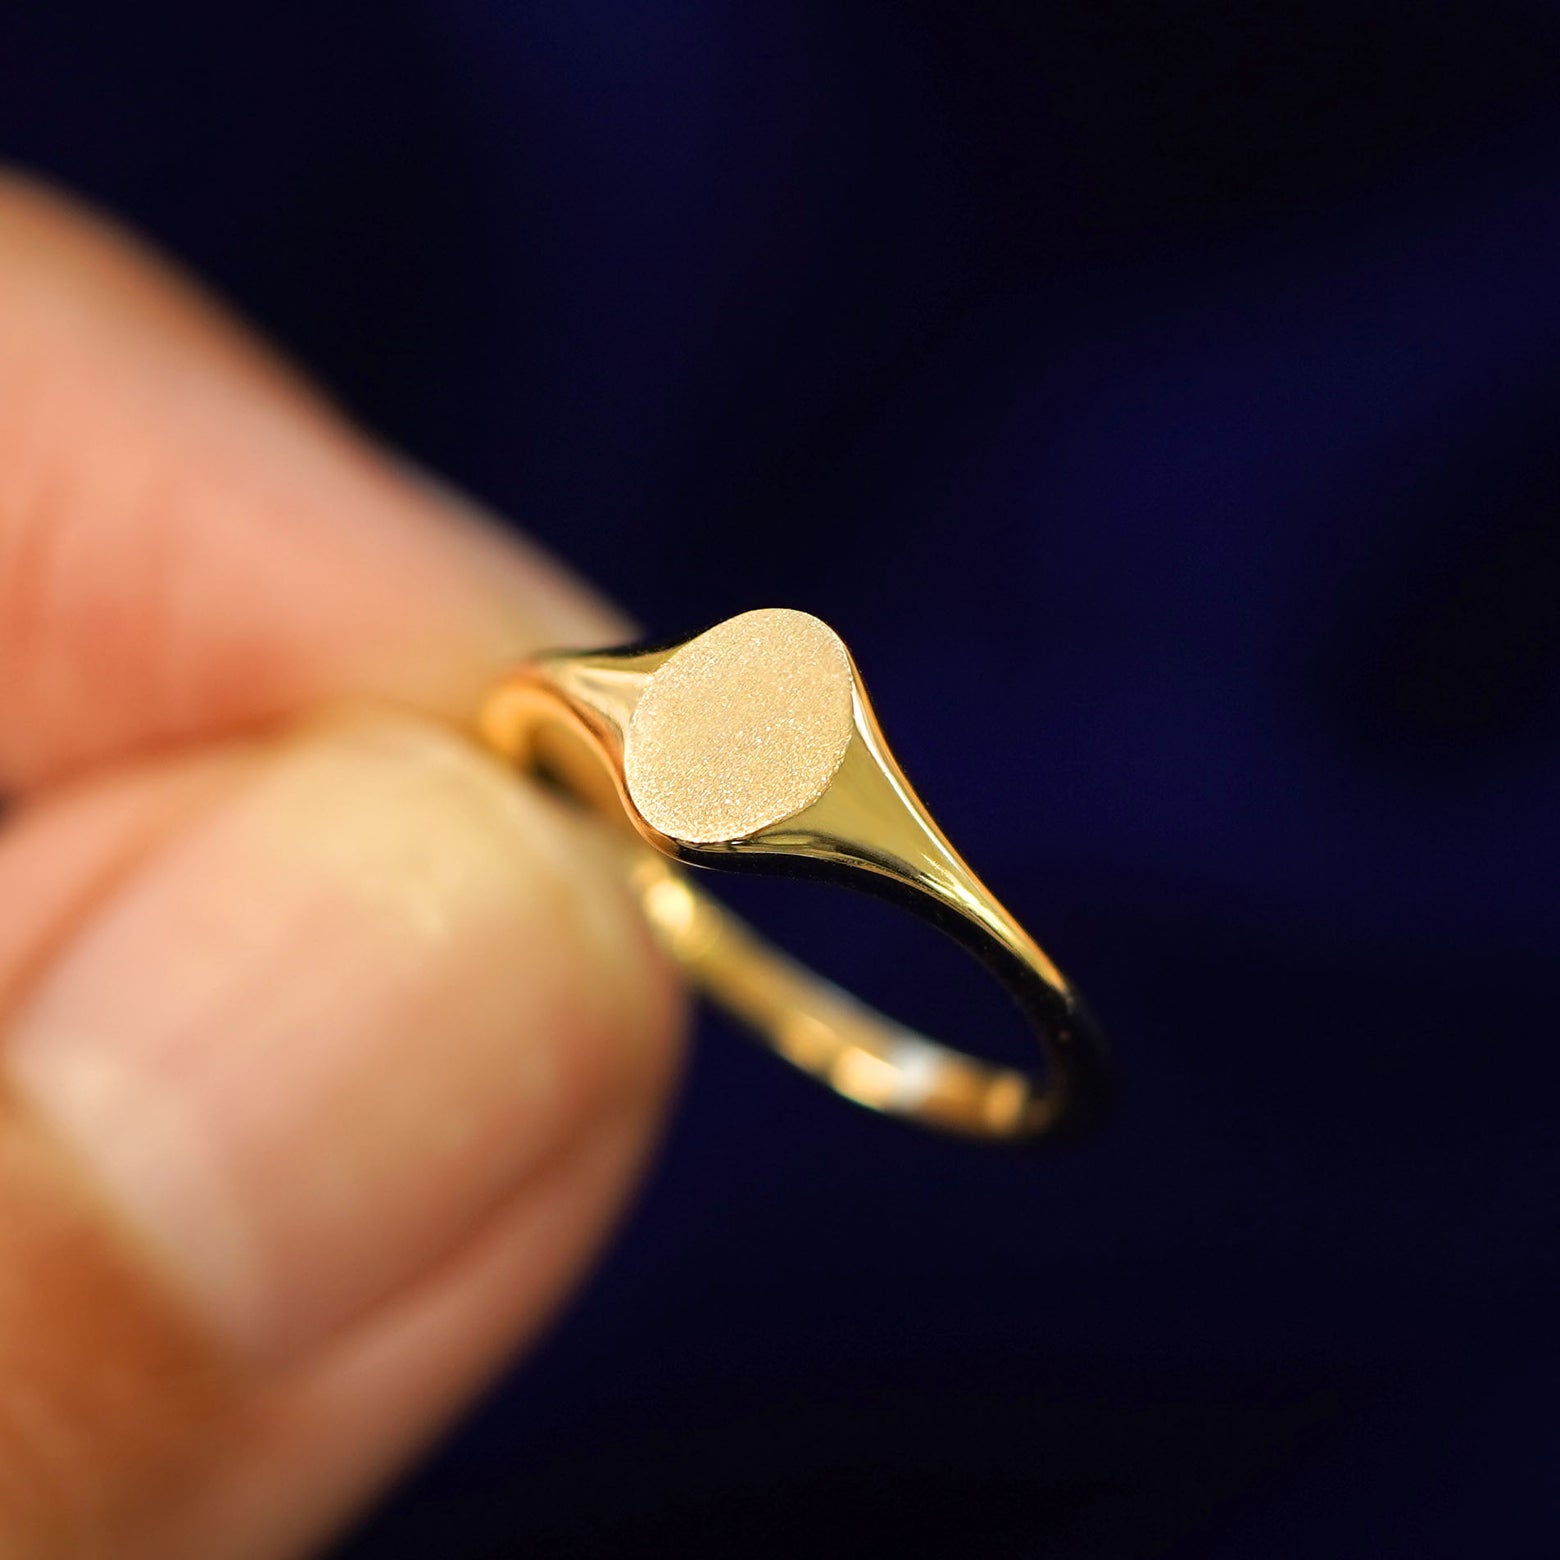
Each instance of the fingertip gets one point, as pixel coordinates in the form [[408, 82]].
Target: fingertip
[[193, 543], [315, 1041]]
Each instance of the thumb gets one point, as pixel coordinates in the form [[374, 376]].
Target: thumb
[[321, 1090]]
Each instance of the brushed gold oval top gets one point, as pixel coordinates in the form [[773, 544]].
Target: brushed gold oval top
[[741, 728]]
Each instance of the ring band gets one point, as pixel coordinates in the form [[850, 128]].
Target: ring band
[[753, 747]]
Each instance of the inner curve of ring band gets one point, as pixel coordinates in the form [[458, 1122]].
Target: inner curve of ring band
[[825, 1030]]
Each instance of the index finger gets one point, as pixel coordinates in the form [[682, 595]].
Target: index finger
[[192, 542]]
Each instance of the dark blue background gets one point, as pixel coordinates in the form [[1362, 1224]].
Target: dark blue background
[[1163, 401]]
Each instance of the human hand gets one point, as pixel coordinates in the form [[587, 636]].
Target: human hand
[[329, 1050]]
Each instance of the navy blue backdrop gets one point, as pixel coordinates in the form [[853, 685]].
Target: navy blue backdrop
[[1173, 390]]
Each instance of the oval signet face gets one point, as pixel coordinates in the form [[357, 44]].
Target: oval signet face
[[741, 728]]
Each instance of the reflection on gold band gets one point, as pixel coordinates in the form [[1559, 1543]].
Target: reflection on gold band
[[573, 715]]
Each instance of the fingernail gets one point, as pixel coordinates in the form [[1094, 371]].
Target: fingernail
[[339, 1020]]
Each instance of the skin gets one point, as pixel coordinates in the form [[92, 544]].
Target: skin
[[329, 1052]]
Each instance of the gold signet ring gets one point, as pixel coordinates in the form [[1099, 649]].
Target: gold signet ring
[[752, 747]]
